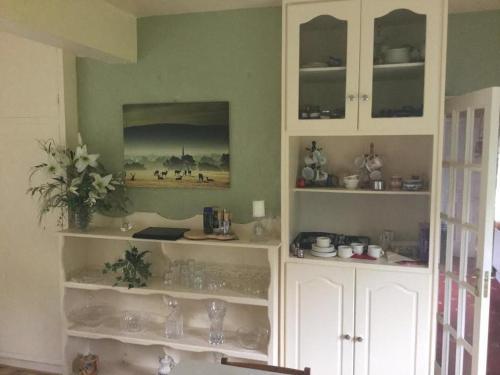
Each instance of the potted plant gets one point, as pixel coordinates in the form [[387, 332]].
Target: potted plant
[[75, 181], [131, 269]]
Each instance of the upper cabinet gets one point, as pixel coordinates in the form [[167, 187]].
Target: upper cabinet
[[362, 66]]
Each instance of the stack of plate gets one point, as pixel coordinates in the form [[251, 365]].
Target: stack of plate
[[324, 252]]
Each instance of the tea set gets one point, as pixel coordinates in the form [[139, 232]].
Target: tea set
[[324, 248]]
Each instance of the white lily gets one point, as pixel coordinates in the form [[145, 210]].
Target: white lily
[[102, 184], [54, 168], [75, 183], [83, 159]]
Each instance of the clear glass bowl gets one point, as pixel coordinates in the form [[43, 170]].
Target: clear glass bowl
[[252, 337], [91, 315]]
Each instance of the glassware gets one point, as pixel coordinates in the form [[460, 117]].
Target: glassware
[[174, 324], [216, 312], [252, 337], [131, 321], [90, 315]]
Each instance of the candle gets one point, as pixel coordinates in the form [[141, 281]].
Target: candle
[[259, 209]]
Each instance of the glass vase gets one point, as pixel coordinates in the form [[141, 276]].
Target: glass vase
[[216, 312], [82, 216]]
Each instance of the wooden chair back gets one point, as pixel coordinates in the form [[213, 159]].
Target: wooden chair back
[[276, 369]]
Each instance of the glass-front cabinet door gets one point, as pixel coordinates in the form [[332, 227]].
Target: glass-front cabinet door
[[400, 66], [322, 66]]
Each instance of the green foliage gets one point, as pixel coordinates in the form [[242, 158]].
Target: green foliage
[[133, 270]]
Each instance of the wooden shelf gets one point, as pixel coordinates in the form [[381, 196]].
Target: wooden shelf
[[359, 191], [322, 74], [194, 339], [117, 234], [156, 288], [398, 71]]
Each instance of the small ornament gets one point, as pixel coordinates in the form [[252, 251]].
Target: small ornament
[[167, 363], [88, 364]]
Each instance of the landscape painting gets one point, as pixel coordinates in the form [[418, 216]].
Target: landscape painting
[[177, 145]]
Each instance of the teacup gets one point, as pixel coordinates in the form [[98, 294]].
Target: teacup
[[351, 182], [375, 251], [357, 248], [323, 241], [344, 252]]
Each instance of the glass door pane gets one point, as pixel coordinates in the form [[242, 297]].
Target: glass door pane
[[322, 68], [399, 65]]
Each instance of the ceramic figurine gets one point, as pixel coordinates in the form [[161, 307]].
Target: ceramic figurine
[[88, 364], [167, 363]]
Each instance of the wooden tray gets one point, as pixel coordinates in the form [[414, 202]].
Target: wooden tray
[[199, 235]]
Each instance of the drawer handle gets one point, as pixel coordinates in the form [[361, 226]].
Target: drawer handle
[[347, 337], [358, 339]]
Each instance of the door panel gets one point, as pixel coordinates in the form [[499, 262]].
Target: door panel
[[322, 67], [468, 215], [319, 311], [400, 66], [392, 319]]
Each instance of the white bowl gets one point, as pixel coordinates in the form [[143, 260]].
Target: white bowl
[[323, 241], [351, 185]]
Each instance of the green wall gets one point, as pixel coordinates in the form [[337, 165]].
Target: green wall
[[233, 56], [473, 52]]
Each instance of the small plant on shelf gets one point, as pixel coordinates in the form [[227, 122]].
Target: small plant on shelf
[[133, 270]]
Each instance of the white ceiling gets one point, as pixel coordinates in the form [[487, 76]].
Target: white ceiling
[[145, 8]]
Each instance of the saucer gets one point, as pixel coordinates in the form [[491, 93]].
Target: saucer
[[319, 249], [323, 255]]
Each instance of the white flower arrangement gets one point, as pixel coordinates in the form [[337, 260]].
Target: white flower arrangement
[[77, 182]]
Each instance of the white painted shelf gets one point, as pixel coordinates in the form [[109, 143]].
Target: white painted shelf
[[117, 234], [397, 71], [359, 191], [323, 74], [194, 339], [120, 368], [155, 287]]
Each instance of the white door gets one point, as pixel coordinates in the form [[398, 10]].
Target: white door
[[319, 318], [467, 212], [400, 66], [392, 323], [322, 66]]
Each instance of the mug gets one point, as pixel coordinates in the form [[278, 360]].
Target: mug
[[357, 248], [323, 241], [345, 251], [375, 251]]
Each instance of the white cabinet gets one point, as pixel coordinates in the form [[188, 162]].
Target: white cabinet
[[385, 313], [393, 322], [362, 66], [319, 313]]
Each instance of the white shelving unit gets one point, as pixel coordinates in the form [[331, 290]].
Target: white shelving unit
[[84, 253], [359, 191]]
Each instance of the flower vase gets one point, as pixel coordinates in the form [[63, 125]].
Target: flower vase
[[82, 216]]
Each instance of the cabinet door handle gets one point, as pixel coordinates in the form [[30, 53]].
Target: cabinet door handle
[[347, 337], [351, 97], [358, 339], [365, 97]]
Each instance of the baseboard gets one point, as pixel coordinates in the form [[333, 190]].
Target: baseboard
[[10, 359]]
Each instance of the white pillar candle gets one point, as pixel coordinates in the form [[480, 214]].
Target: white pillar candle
[[259, 209]]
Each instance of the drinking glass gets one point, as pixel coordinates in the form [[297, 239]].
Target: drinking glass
[[216, 310]]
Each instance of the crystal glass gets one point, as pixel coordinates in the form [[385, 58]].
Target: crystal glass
[[216, 312], [131, 321], [252, 337], [174, 324]]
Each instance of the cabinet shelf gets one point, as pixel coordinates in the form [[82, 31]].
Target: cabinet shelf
[[359, 191], [194, 340], [155, 287], [326, 74], [117, 234], [398, 71]]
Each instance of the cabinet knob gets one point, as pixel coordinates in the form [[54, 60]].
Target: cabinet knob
[[358, 339], [365, 97], [351, 97], [347, 337]]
